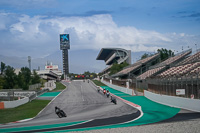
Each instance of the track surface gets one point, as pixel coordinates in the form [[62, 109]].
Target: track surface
[[81, 102]]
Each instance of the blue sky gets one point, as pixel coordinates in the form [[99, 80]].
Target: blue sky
[[32, 27]]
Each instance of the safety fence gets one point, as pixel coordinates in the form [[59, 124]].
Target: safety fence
[[13, 98], [188, 87], [32, 97]]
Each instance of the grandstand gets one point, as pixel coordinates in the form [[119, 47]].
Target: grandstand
[[191, 59], [181, 71], [138, 67], [113, 55], [156, 69]]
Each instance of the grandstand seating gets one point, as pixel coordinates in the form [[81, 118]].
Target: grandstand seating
[[160, 67], [149, 73], [147, 59], [182, 70], [127, 70], [191, 59], [173, 59], [135, 65]]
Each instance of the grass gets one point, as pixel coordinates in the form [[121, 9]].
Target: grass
[[98, 83], [59, 87], [28, 110]]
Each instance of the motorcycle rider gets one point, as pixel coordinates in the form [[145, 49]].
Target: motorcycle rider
[[60, 112], [108, 93], [113, 99], [104, 91], [57, 110]]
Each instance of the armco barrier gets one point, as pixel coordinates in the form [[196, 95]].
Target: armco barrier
[[122, 89], [179, 102], [12, 104]]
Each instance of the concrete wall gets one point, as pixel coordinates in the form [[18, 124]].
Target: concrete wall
[[122, 89], [179, 102], [13, 104], [50, 85]]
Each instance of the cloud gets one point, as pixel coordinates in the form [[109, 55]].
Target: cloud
[[188, 14], [37, 36]]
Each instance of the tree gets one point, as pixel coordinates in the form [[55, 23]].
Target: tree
[[20, 80], [2, 82], [3, 67], [10, 78], [117, 67], [165, 54], [145, 55], [35, 78], [25, 76], [62, 76]]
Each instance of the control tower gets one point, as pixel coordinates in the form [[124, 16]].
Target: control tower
[[64, 46]]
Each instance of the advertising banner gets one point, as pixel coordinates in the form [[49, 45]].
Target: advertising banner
[[180, 91], [64, 41]]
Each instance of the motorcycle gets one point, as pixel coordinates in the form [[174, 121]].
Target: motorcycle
[[107, 94], [104, 91], [61, 114], [113, 100]]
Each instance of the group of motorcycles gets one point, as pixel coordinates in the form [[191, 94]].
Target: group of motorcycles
[[107, 93], [61, 113]]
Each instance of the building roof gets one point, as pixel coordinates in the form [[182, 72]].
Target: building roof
[[105, 52]]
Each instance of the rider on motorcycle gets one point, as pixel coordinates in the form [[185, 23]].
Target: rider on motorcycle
[[60, 112], [108, 93], [57, 110], [104, 91]]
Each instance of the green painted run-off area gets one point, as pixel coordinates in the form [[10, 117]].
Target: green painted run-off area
[[49, 94]]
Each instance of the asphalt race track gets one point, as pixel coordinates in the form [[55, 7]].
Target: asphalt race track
[[81, 102]]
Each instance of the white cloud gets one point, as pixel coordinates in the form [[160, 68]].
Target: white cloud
[[39, 35]]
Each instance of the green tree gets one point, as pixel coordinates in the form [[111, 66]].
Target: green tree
[[9, 77], [35, 78], [3, 67], [117, 67], [20, 80], [25, 76], [165, 54], [145, 55], [62, 76], [2, 82]]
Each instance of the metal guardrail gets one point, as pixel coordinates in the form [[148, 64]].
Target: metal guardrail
[[32, 97]]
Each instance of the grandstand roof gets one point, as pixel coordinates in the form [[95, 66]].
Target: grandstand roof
[[136, 65], [109, 55]]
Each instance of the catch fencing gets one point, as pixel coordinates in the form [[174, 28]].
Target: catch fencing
[[188, 87]]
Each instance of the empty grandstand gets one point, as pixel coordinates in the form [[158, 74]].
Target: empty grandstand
[[113, 55], [137, 68], [172, 61], [180, 72]]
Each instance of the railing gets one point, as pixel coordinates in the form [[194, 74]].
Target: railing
[[167, 86]]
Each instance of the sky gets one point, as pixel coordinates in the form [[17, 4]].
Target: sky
[[32, 28]]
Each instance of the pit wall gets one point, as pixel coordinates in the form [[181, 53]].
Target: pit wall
[[122, 89], [13, 104], [179, 102]]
